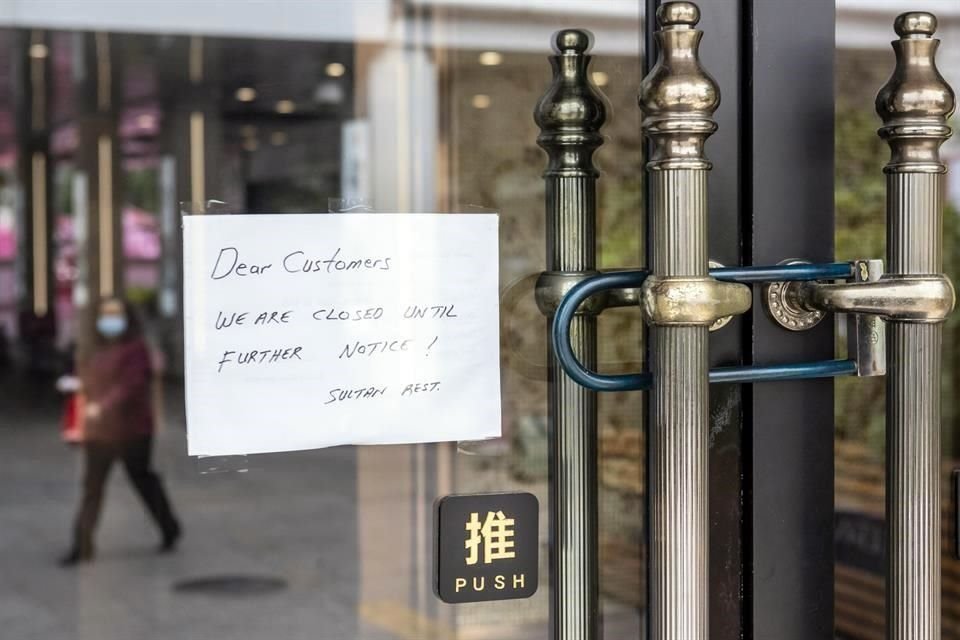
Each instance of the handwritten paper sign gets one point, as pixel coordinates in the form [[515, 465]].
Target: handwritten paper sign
[[307, 331]]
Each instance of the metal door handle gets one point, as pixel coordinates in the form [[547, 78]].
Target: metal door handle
[[914, 106], [678, 99], [570, 115]]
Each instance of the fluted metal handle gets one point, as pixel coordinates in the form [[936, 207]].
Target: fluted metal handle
[[570, 115], [914, 105], [678, 99]]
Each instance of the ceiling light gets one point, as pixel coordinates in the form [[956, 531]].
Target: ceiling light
[[490, 58], [285, 106], [278, 138], [248, 130], [246, 94], [600, 78], [39, 51], [480, 101], [250, 144], [335, 69]]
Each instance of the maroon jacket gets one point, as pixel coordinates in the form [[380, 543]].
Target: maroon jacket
[[117, 377]]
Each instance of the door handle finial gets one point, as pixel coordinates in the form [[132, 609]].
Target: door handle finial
[[916, 101], [678, 97]]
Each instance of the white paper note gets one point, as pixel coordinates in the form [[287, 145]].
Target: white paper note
[[311, 330]]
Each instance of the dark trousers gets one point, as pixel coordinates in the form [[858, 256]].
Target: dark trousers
[[135, 456]]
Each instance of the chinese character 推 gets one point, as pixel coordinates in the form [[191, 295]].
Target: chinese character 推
[[496, 534]]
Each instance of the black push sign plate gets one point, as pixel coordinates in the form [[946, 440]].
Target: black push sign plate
[[486, 547]]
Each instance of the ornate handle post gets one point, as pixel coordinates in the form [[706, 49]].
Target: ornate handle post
[[914, 106], [678, 99], [570, 115]]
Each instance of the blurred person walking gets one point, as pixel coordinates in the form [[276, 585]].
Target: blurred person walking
[[118, 424]]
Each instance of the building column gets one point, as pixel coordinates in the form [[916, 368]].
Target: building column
[[36, 319], [98, 101], [191, 146]]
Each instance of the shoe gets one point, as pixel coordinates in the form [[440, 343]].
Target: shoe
[[170, 538], [74, 557]]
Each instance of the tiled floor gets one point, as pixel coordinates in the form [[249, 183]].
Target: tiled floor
[[291, 516]]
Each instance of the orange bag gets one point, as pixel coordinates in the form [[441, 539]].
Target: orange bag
[[72, 427]]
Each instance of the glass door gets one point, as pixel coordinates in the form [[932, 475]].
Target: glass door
[[391, 106]]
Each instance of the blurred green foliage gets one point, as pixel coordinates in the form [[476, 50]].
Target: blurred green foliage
[[142, 189], [621, 244]]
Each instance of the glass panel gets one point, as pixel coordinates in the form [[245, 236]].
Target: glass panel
[[420, 105], [864, 62]]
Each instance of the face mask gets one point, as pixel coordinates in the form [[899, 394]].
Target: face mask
[[111, 326]]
